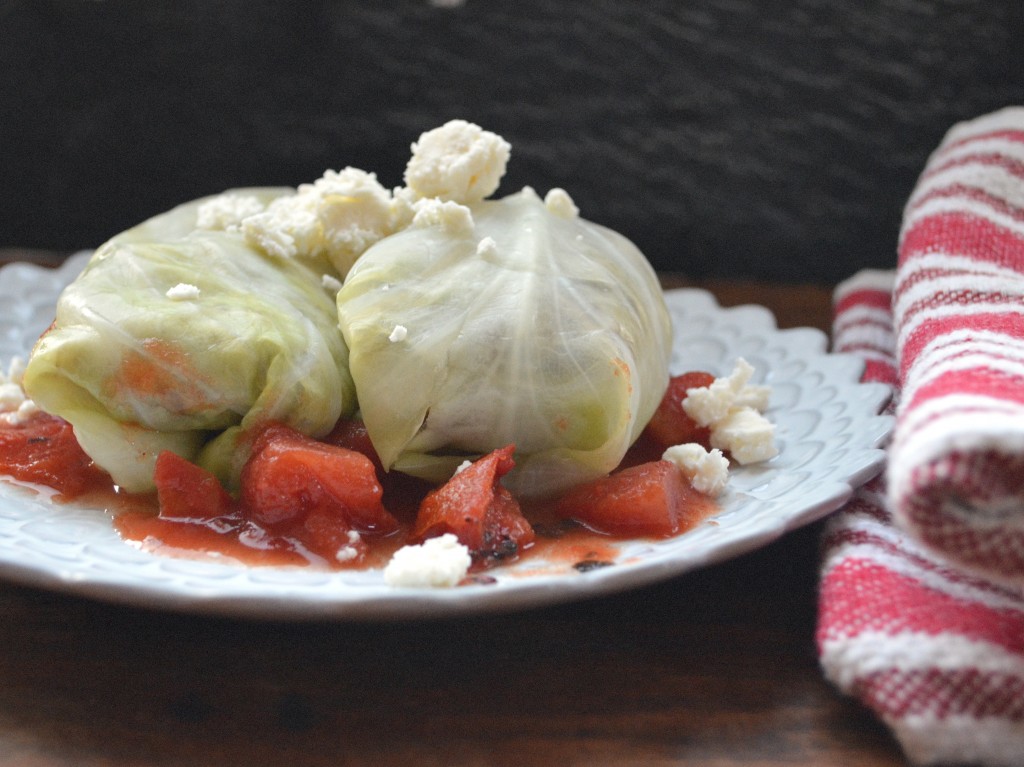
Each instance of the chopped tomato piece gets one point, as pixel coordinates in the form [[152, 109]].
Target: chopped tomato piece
[[506, 530], [322, 534], [43, 449], [187, 491], [649, 499], [295, 485], [478, 510], [670, 424], [402, 493], [351, 433]]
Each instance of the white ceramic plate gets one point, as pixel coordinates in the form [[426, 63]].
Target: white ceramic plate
[[828, 429]]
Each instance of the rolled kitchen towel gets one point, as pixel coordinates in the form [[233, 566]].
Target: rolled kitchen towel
[[922, 595], [934, 650], [956, 471]]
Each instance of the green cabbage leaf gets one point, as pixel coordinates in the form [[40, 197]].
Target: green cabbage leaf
[[136, 370], [529, 328]]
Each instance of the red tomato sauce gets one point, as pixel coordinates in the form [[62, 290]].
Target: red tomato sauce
[[561, 543], [43, 450], [192, 516]]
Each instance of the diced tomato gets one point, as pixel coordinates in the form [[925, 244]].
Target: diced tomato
[[290, 478], [299, 497], [351, 433], [187, 491], [322, 534], [402, 493], [478, 510], [650, 499], [43, 449], [506, 531], [670, 424]]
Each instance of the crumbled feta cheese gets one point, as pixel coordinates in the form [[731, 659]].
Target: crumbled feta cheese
[[403, 207], [337, 217], [462, 467], [227, 211], [331, 283], [707, 471], [487, 247], [746, 434], [709, 404], [400, 333], [23, 412], [731, 407], [15, 407], [753, 396], [282, 231], [346, 553], [11, 396], [341, 214], [27, 409], [455, 218], [559, 203], [459, 161], [182, 292], [437, 562], [351, 551], [15, 372]]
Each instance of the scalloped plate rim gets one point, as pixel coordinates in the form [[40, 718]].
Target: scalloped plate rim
[[312, 595]]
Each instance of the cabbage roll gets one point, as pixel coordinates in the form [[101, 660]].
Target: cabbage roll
[[180, 339], [513, 322]]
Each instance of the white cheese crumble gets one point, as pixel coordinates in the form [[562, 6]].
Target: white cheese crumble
[[708, 404], [227, 211], [487, 247], [437, 562], [346, 553], [15, 372], [707, 471], [746, 434], [15, 407], [331, 283], [182, 292], [337, 217], [20, 414], [11, 396], [398, 334], [453, 217], [462, 467], [349, 552], [731, 407], [459, 161], [560, 204]]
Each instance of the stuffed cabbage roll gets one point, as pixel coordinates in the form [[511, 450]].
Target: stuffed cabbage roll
[[180, 339], [513, 322]]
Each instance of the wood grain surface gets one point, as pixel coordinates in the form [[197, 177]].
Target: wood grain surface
[[717, 667]]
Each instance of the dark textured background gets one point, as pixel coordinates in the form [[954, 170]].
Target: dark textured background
[[726, 137]]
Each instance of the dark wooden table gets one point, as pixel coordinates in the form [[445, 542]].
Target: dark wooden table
[[716, 667]]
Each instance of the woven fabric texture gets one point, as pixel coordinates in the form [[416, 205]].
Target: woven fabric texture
[[922, 594]]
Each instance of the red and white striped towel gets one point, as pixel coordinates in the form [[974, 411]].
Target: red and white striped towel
[[922, 594]]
